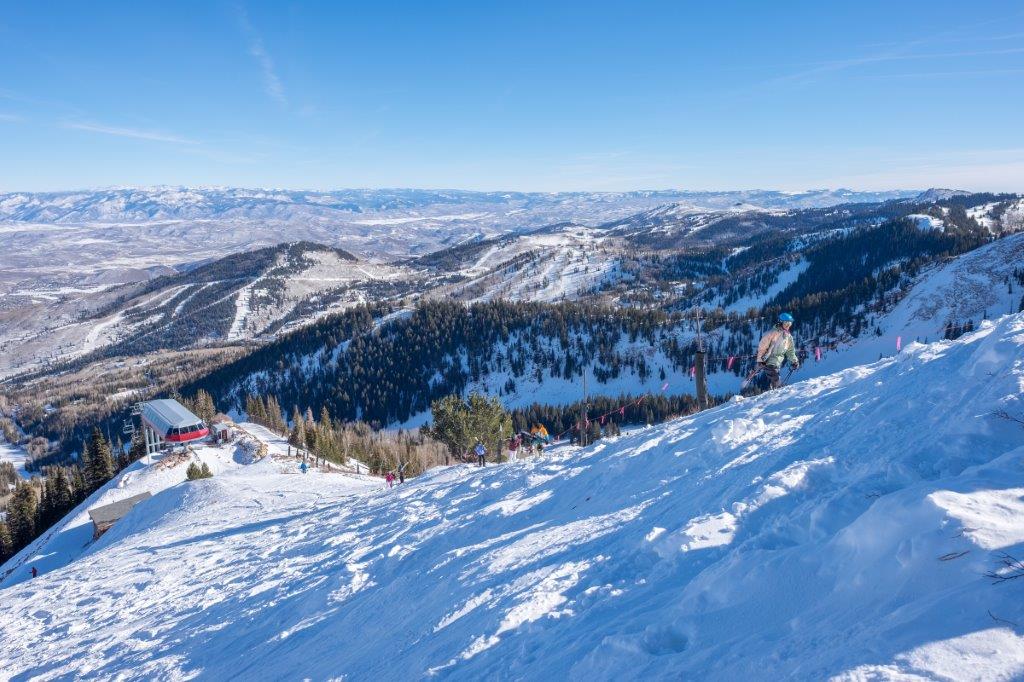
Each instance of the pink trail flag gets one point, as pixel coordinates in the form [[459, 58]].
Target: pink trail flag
[[693, 370], [728, 365], [899, 343], [664, 386], [817, 353]]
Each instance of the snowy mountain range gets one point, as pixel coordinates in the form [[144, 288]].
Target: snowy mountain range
[[385, 206], [850, 526], [71, 239]]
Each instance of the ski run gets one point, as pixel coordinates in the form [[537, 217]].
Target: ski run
[[852, 526]]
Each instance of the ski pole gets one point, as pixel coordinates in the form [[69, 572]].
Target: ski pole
[[750, 377]]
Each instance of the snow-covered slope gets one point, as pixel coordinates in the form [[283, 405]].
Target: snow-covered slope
[[563, 262], [237, 298], [967, 288], [842, 526]]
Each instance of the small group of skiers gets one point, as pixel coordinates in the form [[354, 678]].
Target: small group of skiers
[[533, 441], [396, 475]]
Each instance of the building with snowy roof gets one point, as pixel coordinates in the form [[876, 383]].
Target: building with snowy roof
[[106, 516], [168, 421]]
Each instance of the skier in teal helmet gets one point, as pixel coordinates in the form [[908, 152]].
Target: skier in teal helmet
[[777, 347]]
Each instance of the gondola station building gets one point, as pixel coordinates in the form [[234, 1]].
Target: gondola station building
[[168, 422]]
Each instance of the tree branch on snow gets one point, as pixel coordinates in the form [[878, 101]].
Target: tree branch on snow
[[1003, 414], [1001, 620], [1011, 568]]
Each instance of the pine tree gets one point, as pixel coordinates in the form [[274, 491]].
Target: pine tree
[[274, 416], [63, 499], [298, 434], [21, 515], [311, 430], [100, 467], [137, 449], [6, 544], [203, 406]]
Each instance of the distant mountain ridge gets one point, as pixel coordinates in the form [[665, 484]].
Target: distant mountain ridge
[[144, 204]]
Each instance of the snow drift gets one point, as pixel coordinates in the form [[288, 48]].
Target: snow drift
[[841, 527]]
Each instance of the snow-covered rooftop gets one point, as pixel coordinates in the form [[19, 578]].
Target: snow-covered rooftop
[[167, 414]]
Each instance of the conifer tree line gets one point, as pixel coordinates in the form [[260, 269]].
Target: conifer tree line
[[37, 504], [388, 374], [651, 409], [339, 441]]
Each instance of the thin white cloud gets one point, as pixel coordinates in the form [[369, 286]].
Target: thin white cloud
[[10, 118], [899, 55], [271, 83], [134, 133], [949, 74]]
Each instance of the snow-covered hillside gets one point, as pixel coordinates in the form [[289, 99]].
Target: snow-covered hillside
[[968, 288], [566, 262], [840, 527], [235, 299]]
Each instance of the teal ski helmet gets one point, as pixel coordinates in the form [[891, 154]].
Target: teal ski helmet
[[785, 317]]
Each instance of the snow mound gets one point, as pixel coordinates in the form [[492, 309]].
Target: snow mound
[[841, 527]]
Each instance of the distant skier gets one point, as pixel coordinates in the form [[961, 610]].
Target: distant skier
[[303, 467], [526, 442], [776, 347], [34, 571], [401, 473], [513, 447], [390, 479], [540, 437], [481, 454]]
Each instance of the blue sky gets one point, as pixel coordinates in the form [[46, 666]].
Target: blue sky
[[515, 96]]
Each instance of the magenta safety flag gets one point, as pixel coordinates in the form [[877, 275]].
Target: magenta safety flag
[[728, 365], [817, 353], [899, 343], [664, 386]]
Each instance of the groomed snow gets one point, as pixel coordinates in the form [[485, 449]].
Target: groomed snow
[[837, 528]]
